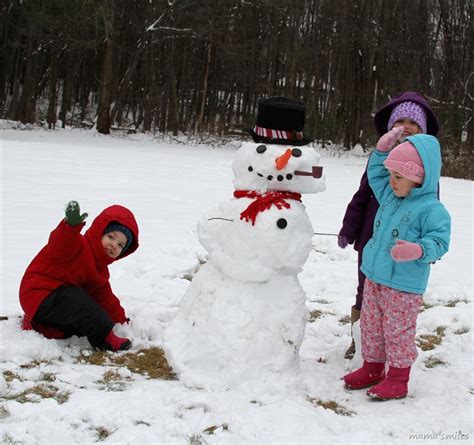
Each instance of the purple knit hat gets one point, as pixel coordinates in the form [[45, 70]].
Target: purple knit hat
[[408, 110], [405, 160]]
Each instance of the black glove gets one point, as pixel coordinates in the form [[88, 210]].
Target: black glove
[[73, 214]]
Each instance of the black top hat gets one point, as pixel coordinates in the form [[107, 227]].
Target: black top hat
[[279, 121]]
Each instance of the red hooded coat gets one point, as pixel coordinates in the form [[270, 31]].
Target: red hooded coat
[[72, 259]]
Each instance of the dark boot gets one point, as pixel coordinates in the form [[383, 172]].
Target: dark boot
[[395, 385], [368, 375], [355, 315]]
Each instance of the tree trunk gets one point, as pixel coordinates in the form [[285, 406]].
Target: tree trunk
[[27, 106], [105, 90], [67, 89], [53, 91], [200, 120]]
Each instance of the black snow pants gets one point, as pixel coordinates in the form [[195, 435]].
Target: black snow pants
[[72, 310]]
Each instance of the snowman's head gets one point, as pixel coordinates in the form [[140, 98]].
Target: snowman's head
[[279, 242], [264, 167]]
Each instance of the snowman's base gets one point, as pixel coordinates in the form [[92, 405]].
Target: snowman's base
[[231, 333]]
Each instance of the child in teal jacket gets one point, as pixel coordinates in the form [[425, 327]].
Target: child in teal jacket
[[411, 231]]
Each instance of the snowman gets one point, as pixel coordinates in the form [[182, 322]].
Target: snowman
[[243, 317]]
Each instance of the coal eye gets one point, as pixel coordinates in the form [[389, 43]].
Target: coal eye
[[261, 149], [296, 152], [282, 223]]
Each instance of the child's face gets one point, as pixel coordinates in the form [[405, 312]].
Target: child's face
[[401, 186], [410, 127], [113, 243]]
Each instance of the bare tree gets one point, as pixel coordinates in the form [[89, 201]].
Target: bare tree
[[182, 66]]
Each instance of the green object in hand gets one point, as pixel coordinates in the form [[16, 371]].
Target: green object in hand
[[73, 214]]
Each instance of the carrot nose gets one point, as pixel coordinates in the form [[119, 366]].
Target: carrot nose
[[282, 160]]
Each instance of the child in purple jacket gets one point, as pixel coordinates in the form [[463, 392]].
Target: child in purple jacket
[[411, 110]]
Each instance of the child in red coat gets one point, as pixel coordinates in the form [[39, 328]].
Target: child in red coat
[[66, 291]]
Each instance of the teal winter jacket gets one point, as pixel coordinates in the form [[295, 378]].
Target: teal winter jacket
[[419, 218]]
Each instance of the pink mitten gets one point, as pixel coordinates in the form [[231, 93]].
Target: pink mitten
[[406, 251], [389, 140]]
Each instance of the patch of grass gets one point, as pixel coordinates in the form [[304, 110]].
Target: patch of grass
[[450, 303], [62, 397], [149, 362], [210, 430], [256, 402], [9, 440], [332, 405], [9, 376], [102, 433], [98, 358], [345, 320], [425, 306], [196, 439], [110, 376], [41, 391], [453, 303], [3, 412], [322, 301], [427, 342], [432, 362], [112, 381], [48, 377], [35, 363], [192, 406], [314, 315], [461, 331]]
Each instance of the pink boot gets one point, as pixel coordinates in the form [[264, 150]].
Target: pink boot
[[115, 343], [368, 375], [395, 386]]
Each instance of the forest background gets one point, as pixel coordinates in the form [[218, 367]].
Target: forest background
[[198, 67]]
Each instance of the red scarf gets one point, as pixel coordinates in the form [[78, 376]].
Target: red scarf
[[263, 201]]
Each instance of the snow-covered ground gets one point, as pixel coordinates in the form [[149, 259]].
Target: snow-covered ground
[[169, 186]]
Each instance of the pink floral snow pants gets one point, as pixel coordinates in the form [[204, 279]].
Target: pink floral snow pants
[[388, 325]]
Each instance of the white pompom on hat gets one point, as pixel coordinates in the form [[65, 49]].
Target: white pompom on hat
[[405, 160]]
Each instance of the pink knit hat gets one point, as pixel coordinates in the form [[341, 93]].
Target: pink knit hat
[[405, 160], [408, 110]]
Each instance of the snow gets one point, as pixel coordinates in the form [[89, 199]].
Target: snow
[[170, 187]]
